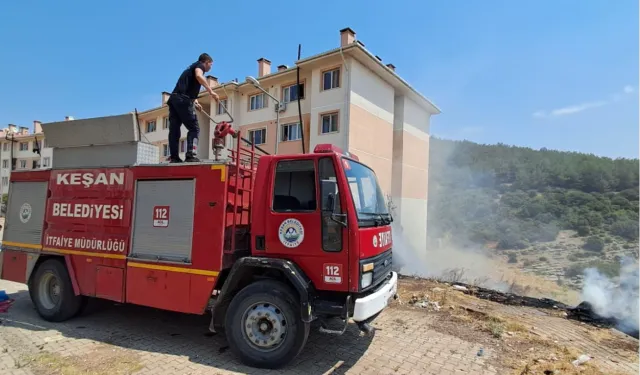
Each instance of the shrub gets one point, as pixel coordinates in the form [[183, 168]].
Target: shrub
[[573, 270], [583, 230], [543, 259], [513, 258], [625, 228], [594, 244]]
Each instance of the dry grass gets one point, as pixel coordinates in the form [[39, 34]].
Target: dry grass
[[556, 360], [103, 360]]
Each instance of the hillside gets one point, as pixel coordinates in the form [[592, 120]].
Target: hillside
[[518, 199]]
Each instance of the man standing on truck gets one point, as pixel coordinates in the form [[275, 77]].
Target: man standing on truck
[[182, 105]]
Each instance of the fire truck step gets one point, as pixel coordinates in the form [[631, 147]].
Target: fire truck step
[[335, 328]]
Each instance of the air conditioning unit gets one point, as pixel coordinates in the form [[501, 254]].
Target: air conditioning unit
[[280, 107]]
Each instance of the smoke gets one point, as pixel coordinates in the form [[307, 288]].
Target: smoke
[[611, 299], [446, 263]]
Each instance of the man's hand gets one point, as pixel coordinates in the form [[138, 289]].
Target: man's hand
[[197, 105], [214, 95]]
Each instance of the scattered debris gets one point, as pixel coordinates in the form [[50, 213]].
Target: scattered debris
[[424, 302], [582, 359], [460, 288], [481, 352]]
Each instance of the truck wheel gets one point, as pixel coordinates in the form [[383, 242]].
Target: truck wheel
[[263, 325], [52, 292]]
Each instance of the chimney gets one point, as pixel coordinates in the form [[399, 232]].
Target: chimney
[[282, 67], [347, 36], [264, 67], [165, 97], [392, 67], [212, 81], [24, 130], [13, 128], [37, 126], [68, 118]]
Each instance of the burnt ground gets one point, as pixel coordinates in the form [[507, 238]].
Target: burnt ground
[[526, 335]]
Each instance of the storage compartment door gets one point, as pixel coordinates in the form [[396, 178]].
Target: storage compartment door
[[25, 214], [163, 220]]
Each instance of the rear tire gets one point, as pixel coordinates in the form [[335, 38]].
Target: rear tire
[[52, 293], [263, 325]]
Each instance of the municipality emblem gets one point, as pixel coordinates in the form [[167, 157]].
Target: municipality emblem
[[25, 213], [291, 233]]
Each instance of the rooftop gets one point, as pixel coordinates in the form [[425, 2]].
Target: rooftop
[[355, 49]]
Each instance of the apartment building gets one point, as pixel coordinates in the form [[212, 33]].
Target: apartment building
[[348, 97], [19, 151]]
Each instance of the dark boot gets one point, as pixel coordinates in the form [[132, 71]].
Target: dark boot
[[175, 160], [191, 159]]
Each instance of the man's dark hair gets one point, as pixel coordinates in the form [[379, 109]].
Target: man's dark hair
[[205, 58]]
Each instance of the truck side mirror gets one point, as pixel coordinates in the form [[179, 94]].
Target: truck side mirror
[[331, 203]]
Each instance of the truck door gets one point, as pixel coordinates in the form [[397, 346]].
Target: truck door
[[303, 222]]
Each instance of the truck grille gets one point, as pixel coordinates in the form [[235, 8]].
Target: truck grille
[[380, 270]]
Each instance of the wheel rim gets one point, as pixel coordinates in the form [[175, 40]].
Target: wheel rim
[[49, 290], [265, 326]]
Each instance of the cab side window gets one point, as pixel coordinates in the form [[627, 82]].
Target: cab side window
[[295, 186]]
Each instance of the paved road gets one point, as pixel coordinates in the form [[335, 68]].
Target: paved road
[[168, 343]]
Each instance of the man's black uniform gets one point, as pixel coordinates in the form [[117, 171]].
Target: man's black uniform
[[182, 111]]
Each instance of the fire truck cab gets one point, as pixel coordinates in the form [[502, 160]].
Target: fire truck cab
[[266, 244]]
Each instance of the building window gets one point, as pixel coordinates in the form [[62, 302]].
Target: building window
[[219, 109], [23, 164], [5, 164], [183, 145], [151, 126], [329, 123], [165, 150], [331, 79], [257, 101], [24, 146], [258, 136], [5, 181], [290, 93], [290, 132], [35, 164], [165, 122], [46, 162], [5, 147]]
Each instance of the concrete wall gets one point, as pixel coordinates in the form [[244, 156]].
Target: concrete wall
[[410, 170], [328, 101], [371, 122]]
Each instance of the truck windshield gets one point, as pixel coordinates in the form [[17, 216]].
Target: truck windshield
[[366, 193]]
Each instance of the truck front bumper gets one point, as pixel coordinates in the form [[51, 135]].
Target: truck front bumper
[[375, 302]]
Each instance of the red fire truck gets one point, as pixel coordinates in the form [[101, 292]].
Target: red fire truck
[[265, 243]]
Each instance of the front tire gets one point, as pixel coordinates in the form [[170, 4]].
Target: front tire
[[264, 326], [52, 293]]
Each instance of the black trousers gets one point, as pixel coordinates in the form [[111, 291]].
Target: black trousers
[[182, 111]]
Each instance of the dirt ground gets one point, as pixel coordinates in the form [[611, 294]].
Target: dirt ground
[[431, 329], [526, 340]]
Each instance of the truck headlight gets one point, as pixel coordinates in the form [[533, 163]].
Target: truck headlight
[[367, 278]]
